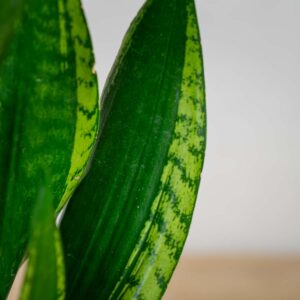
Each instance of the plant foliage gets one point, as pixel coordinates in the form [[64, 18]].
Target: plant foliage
[[126, 223]]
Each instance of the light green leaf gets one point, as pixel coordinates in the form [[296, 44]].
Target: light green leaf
[[126, 225]]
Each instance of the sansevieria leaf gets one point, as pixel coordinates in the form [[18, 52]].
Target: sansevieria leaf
[[125, 227], [48, 117], [9, 10], [45, 277]]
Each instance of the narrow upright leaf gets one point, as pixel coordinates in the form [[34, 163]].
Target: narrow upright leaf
[[48, 117], [126, 225], [45, 278]]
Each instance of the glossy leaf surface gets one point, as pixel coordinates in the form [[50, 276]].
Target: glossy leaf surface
[[48, 117], [45, 276], [126, 225]]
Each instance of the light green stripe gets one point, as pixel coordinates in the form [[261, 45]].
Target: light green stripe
[[166, 230], [87, 99], [60, 266]]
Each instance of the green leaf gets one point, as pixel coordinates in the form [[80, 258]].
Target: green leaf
[[48, 118], [9, 11], [45, 277], [125, 227]]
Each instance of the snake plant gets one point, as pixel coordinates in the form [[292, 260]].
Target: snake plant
[[128, 166]]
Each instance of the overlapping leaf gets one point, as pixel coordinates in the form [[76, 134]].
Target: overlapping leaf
[[48, 117], [45, 277], [126, 225]]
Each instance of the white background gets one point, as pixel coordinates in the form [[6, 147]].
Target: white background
[[249, 199]]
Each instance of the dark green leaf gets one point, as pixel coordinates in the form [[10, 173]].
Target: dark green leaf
[[9, 11], [45, 277], [48, 117], [126, 225]]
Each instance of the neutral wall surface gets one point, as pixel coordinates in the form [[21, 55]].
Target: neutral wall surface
[[249, 198]]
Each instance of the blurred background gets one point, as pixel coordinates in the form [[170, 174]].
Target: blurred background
[[244, 241]]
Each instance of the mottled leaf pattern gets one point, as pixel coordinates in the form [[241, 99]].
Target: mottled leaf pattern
[[49, 117], [141, 189], [164, 234]]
